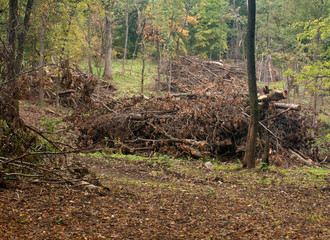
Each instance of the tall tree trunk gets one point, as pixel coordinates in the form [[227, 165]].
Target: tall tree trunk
[[184, 24], [220, 49], [41, 56], [108, 48], [9, 98], [143, 66], [126, 40], [22, 35], [89, 41], [159, 58], [270, 67], [249, 158], [11, 91], [11, 39]]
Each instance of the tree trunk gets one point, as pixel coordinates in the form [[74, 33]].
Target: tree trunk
[[108, 44], [249, 158], [11, 91], [220, 49], [89, 41], [184, 24], [11, 39], [9, 98], [41, 56], [270, 67], [126, 40], [159, 56], [22, 36], [143, 66]]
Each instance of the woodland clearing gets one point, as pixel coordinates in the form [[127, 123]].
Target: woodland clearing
[[104, 194]]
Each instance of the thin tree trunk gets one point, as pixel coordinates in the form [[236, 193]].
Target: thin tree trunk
[[108, 52], [249, 158], [220, 49], [170, 76], [315, 95], [139, 24], [184, 24], [41, 63], [41, 56], [270, 67], [22, 35], [11, 38], [159, 56], [126, 40], [89, 41], [261, 68], [143, 66], [58, 90], [108, 46], [10, 91]]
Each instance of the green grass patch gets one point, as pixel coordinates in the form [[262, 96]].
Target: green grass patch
[[130, 83]]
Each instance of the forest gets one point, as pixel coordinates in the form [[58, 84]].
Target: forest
[[164, 119]]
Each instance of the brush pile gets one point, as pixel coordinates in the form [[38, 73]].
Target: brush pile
[[188, 73], [206, 116], [65, 84]]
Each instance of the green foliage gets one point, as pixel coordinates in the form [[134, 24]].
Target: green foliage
[[49, 124], [323, 138], [211, 31], [263, 166], [314, 51]]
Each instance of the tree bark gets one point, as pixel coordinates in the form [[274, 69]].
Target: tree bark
[[159, 59], [11, 91], [41, 56], [22, 36], [143, 65], [126, 40], [108, 43], [89, 41], [184, 24], [11, 38], [249, 158]]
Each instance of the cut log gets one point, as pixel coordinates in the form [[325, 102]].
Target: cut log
[[186, 95], [305, 160], [296, 107], [275, 96]]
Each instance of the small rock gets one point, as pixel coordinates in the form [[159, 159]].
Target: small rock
[[208, 165]]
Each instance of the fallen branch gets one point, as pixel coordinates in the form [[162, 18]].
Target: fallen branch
[[288, 106], [48, 153], [274, 96], [37, 131], [306, 161]]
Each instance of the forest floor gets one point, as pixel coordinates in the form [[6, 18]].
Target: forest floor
[[165, 198]]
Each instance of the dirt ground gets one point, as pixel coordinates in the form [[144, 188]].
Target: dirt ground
[[163, 198]]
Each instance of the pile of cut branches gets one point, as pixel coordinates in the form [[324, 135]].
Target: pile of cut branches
[[188, 73], [64, 84], [208, 119]]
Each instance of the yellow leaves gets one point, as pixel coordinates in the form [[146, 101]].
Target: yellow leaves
[[227, 16], [183, 32], [192, 20]]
